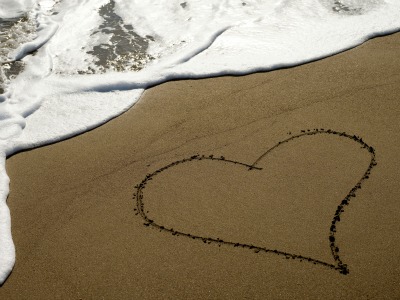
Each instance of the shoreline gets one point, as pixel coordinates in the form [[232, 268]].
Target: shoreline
[[77, 235]]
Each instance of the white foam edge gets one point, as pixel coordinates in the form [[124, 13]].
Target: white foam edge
[[123, 99], [7, 249], [45, 32]]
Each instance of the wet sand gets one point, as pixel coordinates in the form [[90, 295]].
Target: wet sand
[[208, 227]]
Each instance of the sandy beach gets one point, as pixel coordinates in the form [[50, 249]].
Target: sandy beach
[[245, 212]]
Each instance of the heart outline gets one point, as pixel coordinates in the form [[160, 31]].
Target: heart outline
[[338, 264]]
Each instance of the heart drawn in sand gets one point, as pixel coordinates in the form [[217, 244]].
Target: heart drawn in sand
[[331, 240]]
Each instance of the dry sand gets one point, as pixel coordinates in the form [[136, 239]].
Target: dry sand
[[77, 234]]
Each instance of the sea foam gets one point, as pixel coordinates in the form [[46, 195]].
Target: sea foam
[[91, 60]]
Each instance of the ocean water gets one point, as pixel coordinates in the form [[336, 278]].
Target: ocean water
[[67, 66]]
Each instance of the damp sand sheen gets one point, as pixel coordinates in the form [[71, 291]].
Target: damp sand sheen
[[74, 224]]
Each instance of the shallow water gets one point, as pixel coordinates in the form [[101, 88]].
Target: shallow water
[[125, 49], [13, 32]]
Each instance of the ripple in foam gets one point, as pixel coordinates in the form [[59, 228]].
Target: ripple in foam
[[78, 77]]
